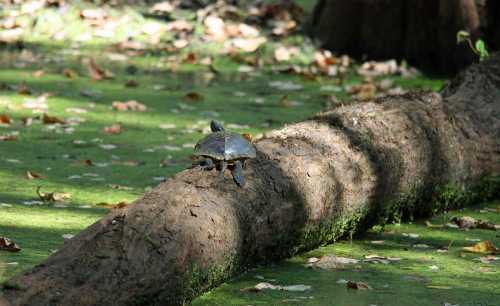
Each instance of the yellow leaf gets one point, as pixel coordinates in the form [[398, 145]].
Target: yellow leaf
[[483, 247]]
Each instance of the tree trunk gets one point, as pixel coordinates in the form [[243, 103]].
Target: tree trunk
[[311, 183], [420, 31]]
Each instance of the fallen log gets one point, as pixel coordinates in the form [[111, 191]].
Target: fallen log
[[312, 182]]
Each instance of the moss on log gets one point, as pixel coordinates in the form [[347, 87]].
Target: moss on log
[[311, 183]]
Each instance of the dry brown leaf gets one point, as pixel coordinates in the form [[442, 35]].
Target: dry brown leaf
[[484, 224], [113, 129], [442, 287], [70, 73], [31, 175], [464, 222], [38, 73], [130, 163], [179, 25], [283, 53], [284, 101], [358, 285], [163, 7], [51, 197], [52, 120], [23, 89], [8, 137], [5, 119], [113, 206], [131, 83], [248, 136], [193, 97], [97, 73], [120, 187], [248, 44], [88, 162], [483, 247], [324, 59], [191, 58], [93, 14], [8, 245], [131, 105]]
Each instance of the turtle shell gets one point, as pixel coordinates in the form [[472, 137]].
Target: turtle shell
[[225, 146]]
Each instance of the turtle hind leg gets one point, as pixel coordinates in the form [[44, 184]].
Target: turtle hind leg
[[237, 172], [206, 164]]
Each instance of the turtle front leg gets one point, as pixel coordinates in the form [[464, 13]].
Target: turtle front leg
[[237, 173], [223, 167], [206, 164]]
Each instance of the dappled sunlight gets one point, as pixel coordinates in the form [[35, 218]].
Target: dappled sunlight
[[254, 69]]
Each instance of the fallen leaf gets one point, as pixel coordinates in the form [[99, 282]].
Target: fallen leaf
[[248, 44], [180, 25], [248, 136], [5, 119], [488, 259], [97, 73], [262, 286], [51, 197], [113, 206], [358, 285], [484, 224], [442, 287], [131, 83], [411, 235], [76, 110], [374, 258], [93, 14], [284, 85], [23, 89], [130, 163], [180, 43], [312, 260], [333, 262], [215, 28], [167, 126], [191, 58], [70, 73], [163, 7], [464, 222], [31, 175], [283, 53], [484, 247], [8, 137], [68, 236], [52, 120], [113, 129], [193, 96], [429, 224], [131, 105], [421, 246], [285, 102], [108, 146], [38, 73], [120, 187], [8, 245]]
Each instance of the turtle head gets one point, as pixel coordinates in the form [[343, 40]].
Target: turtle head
[[216, 126]]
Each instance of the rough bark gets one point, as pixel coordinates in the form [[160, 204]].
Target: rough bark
[[421, 31], [311, 183]]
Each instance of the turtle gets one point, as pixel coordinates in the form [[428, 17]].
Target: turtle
[[222, 149]]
